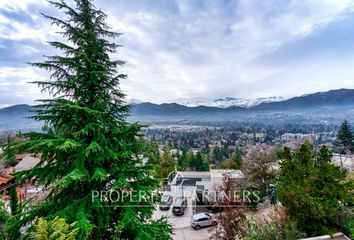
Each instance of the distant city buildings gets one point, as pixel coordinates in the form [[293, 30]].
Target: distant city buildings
[[344, 161]]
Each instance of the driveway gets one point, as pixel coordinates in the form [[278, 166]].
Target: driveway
[[181, 224], [177, 222]]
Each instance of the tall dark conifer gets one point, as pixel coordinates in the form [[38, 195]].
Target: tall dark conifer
[[92, 147], [344, 143]]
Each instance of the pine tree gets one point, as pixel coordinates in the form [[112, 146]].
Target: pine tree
[[198, 164], [92, 147], [344, 142], [183, 160], [217, 155], [167, 163], [236, 158], [152, 152], [312, 189]]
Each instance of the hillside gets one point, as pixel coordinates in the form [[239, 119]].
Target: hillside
[[329, 106]]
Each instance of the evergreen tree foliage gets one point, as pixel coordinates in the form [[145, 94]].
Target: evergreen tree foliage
[[312, 189], [234, 162], [9, 157], [152, 152], [4, 217], [217, 155], [53, 230], [237, 158], [344, 142], [183, 160], [92, 147], [167, 163], [197, 163], [13, 199]]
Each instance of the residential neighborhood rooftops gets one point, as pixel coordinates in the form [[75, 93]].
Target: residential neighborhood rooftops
[[6, 181], [5, 178], [19, 157], [343, 160], [27, 163]]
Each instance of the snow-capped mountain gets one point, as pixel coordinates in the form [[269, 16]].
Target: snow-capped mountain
[[232, 101]]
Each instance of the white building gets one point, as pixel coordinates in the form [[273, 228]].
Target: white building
[[194, 184]]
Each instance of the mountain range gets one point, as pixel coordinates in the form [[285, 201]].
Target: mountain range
[[330, 106], [232, 102], [331, 100]]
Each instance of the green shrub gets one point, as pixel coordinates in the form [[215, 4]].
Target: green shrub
[[347, 226]]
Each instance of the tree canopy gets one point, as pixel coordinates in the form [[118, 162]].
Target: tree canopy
[[344, 143], [91, 148], [312, 189]]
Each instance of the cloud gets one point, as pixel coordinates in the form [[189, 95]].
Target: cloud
[[185, 49], [332, 40], [14, 85]]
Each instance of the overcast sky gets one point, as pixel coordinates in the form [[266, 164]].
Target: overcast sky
[[197, 49]]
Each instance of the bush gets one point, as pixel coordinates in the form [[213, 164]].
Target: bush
[[347, 226]]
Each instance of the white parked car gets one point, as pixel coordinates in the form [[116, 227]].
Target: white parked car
[[203, 220]]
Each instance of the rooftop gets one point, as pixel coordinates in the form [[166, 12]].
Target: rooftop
[[219, 173], [27, 163], [193, 174], [5, 178], [19, 157], [6, 181]]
